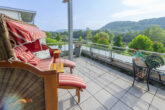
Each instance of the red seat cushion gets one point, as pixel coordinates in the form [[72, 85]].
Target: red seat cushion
[[67, 63], [34, 61], [71, 80], [19, 50], [45, 64], [25, 56], [28, 55], [21, 57]]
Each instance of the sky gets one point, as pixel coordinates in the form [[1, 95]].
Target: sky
[[52, 14]]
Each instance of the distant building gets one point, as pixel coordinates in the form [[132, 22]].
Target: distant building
[[19, 14]]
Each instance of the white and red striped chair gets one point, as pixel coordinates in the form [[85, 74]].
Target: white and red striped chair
[[65, 81], [70, 81], [67, 63]]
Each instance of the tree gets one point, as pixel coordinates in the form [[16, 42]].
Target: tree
[[101, 38], [55, 35], [155, 33], [48, 34], [58, 37], [78, 33], [118, 42], [95, 39], [158, 47], [141, 42], [80, 39], [88, 34], [64, 37], [111, 35], [128, 36]]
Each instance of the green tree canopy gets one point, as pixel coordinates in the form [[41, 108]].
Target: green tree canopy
[[141, 42], [88, 34], [80, 39], [58, 37], [118, 42], [95, 39], [111, 35], [101, 38], [158, 47], [155, 33], [55, 35], [48, 34], [64, 37]]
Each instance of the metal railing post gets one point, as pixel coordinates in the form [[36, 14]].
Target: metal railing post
[[91, 50], [111, 59]]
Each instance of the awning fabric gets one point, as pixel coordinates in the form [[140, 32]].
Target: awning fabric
[[23, 33]]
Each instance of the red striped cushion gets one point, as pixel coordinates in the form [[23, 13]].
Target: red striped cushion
[[67, 63], [45, 64], [71, 80], [34, 61], [27, 55], [19, 50], [22, 58]]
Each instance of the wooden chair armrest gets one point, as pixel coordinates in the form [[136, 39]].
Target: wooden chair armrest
[[44, 47], [28, 67]]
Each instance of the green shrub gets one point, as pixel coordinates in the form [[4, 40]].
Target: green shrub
[[50, 40], [141, 42]]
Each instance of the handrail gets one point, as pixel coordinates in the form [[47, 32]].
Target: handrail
[[145, 51], [124, 48]]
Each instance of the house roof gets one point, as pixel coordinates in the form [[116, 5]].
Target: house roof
[[26, 15]]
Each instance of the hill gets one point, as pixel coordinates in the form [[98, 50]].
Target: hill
[[125, 26]]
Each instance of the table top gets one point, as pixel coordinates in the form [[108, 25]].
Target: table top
[[59, 67], [57, 51], [142, 64]]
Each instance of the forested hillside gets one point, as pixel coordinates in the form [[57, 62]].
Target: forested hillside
[[126, 26]]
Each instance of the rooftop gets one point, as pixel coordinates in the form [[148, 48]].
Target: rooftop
[[16, 9], [109, 89], [26, 15]]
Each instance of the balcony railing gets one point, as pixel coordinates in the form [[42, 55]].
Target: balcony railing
[[109, 54]]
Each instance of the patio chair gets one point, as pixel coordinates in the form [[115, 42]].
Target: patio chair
[[56, 54], [29, 84]]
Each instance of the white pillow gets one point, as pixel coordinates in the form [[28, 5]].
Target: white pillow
[[44, 54], [43, 41]]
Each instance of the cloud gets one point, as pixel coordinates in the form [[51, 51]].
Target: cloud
[[143, 8]]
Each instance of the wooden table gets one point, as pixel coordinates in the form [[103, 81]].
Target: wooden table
[[57, 53], [59, 67], [139, 65]]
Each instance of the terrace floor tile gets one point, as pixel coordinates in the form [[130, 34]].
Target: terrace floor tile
[[109, 89], [106, 98], [134, 102], [120, 106]]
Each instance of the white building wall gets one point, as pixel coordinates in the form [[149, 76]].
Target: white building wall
[[12, 14]]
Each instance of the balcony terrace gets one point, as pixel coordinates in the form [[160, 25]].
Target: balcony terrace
[[109, 89]]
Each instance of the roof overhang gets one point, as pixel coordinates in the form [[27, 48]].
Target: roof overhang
[[26, 15]]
